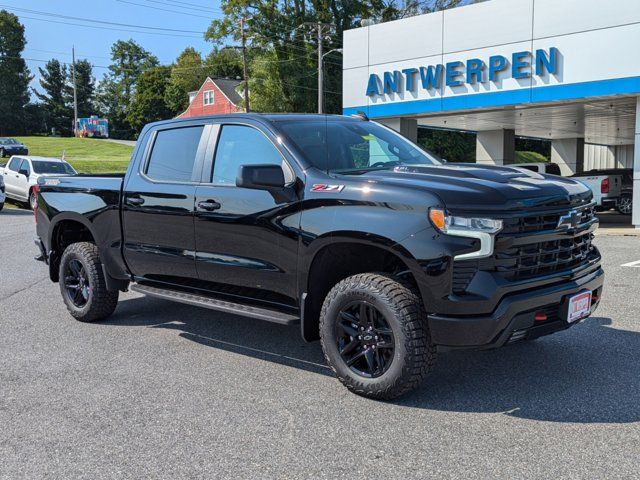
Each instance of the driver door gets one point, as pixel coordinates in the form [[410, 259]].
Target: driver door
[[243, 236]]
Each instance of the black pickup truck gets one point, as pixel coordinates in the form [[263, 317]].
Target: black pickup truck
[[375, 247]]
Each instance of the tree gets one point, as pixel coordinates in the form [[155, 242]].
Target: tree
[[187, 75], [448, 144], [53, 79], [14, 74], [85, 88], [148, 103], [115, 91], [282, 34]]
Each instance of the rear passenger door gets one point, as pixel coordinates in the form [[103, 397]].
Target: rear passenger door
[[244, 237], [158, 204]]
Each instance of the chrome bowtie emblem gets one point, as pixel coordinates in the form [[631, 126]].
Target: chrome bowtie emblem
[[570, 220]]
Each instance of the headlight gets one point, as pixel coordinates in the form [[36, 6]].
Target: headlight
[[483, 229]]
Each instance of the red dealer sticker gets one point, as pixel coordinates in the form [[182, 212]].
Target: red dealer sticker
[[323, 187]]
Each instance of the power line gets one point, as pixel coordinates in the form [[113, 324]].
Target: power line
[[109, 28], [189, 6], [164, 9], [192, 5], [93, 20]]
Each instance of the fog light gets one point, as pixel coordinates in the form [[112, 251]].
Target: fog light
[[540, 317]]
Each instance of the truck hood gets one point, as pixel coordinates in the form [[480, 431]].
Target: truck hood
[[469, 187]]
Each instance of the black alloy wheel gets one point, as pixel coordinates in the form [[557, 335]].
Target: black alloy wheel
[[76, 283], [365, 340], [375, 336]]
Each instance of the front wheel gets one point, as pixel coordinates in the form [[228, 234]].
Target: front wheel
[[375, 337], [2, 154], [1, 206], [82, 284]]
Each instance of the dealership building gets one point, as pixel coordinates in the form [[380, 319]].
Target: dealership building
[[562, 70]]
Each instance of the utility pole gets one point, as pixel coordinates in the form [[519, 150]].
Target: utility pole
[[320, 71], [321, 30], [75, 93], [244, 65]]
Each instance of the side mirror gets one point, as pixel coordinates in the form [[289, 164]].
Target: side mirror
[[24, 172], [260, 177]]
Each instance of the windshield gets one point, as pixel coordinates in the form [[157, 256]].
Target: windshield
[[56, 168], [347, 146], [8, 141]]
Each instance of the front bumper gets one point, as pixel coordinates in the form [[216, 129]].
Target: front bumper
[[513, 319]]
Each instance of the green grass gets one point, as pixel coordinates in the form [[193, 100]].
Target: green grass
[[530, 157], [87, 155]]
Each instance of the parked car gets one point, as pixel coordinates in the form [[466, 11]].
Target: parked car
[[541, 167], [625, 201], [606, 188], [371, 244], [10, 146], [21, 175], [2, 194]]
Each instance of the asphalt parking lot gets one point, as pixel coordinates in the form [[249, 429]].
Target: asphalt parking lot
[[164, 390]]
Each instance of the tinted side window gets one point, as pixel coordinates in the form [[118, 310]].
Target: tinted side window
[[174, 153], [14, 164], [241, 145], [533, 168], [25, 166], [553, 169]]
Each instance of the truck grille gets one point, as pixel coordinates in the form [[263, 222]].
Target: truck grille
[[529, 260], [542, 222]]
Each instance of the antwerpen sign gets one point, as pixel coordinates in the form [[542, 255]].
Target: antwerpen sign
[[521, 65]]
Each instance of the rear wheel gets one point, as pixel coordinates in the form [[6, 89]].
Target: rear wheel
[[33, 199], [625, 204], [374, 334], [1, 206], [2, 154], [82, 284]]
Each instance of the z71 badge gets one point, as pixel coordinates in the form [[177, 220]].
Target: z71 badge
[[323, 187]]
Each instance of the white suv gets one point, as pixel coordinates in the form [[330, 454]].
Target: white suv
[[22, 173]]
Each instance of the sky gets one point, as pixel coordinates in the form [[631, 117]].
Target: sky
[[53, 37]]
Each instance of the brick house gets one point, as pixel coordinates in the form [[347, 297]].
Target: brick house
[[214, 97]]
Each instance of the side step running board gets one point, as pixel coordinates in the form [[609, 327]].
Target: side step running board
[[215, 304]]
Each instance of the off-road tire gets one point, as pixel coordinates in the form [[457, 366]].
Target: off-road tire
[[414, 354], [101, 302]]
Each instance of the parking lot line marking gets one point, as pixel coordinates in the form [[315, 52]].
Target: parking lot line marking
[[632, 264]]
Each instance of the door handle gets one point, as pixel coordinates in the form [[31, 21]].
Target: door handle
[[209, 205], [135, 201]]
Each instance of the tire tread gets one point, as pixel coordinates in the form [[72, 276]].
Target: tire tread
[[421, 353]]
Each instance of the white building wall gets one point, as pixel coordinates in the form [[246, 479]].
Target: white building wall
[[597, 157], [597, 42]]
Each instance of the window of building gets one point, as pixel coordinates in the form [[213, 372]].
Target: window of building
[[241, 145], [209, 97], [174, 154]]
